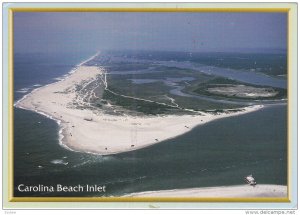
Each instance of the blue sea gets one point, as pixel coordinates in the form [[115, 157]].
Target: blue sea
[[218, 153]]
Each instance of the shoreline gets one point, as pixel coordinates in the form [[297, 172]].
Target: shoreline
[[58, 79], [106, 134], [233, 191]]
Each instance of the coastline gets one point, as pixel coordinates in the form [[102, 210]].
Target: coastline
[[235, 191], [57, 80], [106, 134]]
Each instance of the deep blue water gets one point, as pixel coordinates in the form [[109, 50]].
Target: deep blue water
[[219, 153]]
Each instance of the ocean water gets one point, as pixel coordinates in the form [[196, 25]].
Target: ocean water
[[32, 70], [218, 153]]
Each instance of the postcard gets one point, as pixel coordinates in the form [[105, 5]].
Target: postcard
[[136, 103]]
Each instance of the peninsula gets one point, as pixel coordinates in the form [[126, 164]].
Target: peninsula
[[86, 128]]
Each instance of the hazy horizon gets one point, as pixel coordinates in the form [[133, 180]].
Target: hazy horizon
[[189, 32]]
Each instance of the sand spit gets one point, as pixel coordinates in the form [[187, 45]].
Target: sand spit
[[86, 131], [239, 191]]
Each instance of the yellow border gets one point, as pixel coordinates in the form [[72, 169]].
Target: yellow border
[[136, 199], [288, 169], [145, 199], [90, 9], [10, 108]]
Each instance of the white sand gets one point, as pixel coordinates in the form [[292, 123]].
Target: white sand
[[239, 191], [106, 134]]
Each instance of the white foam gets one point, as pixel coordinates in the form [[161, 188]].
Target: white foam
[[60, 162], [91, 58], [37, 85], [22, 91], [61, 136], [16, 104], [73, 70]]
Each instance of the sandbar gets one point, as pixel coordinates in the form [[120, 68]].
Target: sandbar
[[238, 191], [84, 130]]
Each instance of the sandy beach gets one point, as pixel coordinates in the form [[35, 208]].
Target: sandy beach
[[239, 191], [84, 130]]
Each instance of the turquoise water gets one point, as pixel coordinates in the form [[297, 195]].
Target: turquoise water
[[219, 153]]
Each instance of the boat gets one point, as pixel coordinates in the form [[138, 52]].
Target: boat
[[250, 180]]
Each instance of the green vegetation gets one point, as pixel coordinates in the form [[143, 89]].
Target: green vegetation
[[270, 64], [202, 105], [163, 79], [160, 92], [274, 63], [126, 87], [145, 107], [126, 66]]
